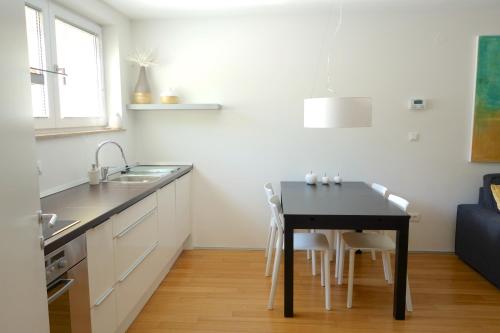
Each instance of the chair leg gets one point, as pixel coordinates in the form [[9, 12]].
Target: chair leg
[[331, 241], [350, 282], [268, 242], [337, 252], [374, 256], [308, 255], [389, 268], [276, 271], [270, 251], [384, 265], [328, 303], [313, 255], [341, 262], [409, 301], [322, 268]]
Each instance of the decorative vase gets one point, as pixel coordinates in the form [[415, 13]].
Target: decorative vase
[[311, 178], [142, 92], [169, 97]]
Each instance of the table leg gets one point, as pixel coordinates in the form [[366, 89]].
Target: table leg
[[401, 263], [288, 271]]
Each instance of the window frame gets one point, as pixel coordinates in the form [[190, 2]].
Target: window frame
[[50, 12]]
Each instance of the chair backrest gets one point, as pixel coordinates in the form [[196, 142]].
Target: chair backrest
[[380, 189], [275, 205], [402, 203], [268, 188]]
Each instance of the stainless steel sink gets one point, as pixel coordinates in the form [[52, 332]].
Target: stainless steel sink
[[153, 169], [141, 174], [133, 179]]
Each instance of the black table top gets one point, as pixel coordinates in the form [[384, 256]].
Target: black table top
[[346, 199]]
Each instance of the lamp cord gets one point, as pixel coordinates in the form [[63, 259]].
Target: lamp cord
[[329, 53]]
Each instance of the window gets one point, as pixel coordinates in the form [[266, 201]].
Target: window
[[66, 67]]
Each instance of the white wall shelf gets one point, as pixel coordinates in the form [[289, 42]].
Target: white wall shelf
[[174, 106]]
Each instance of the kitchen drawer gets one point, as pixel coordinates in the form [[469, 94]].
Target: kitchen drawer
[[103, 313], [132, 287], [131, 215], [131, 243]]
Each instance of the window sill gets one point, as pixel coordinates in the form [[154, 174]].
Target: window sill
[[53, 134]]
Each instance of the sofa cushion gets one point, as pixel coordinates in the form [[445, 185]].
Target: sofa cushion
[[491, 178], [487, 198]]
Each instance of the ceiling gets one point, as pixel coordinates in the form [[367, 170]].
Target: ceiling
[[154, 9]]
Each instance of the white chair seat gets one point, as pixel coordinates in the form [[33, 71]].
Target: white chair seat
[[310, 241], [368, 241]]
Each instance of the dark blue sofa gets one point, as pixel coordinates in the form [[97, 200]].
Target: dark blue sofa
[[477, 239]]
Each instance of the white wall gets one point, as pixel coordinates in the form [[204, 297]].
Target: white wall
[[262, 67], [65, 161]]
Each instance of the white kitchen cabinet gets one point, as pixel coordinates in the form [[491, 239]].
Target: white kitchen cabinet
[[103, 313], [100, 261], [134, 241], [127, 253], [167, 246], [183, 208], [133, 285], [133, 214]]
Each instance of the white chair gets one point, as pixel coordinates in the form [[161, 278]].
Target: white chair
[[268, 189], [382, 190], [301, 241], [372, 241], [271, 237]]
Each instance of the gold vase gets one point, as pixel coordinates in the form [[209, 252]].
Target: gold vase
[[169, 99], [142, 98], [142, 92]]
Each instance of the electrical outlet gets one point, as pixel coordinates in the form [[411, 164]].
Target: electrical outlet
[[39, 167], [414, 217], [413, 136]]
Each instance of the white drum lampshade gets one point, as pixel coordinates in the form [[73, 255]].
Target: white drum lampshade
[[335, 112]]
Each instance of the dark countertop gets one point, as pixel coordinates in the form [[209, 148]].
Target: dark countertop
[[93, 205]]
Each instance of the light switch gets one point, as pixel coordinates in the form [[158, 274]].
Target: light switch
[[413, 136]]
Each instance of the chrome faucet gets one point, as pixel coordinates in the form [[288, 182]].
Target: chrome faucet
[[104, 170]]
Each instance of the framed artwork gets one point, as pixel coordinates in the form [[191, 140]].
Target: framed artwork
[[486, 126]]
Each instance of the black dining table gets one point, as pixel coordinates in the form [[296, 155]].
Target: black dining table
[[349, 205]]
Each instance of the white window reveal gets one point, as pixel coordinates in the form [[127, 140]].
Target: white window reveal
[[66, 65]]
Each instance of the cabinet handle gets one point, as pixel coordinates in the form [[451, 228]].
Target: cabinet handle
[[135, 224], [68, 283], [104, 296], [138, 262]]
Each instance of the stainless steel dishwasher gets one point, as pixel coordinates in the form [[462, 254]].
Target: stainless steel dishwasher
[[68, 288]]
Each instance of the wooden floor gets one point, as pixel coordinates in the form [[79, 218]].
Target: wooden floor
[[226, 291]]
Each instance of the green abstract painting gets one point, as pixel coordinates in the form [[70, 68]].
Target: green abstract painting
[[486, 130]]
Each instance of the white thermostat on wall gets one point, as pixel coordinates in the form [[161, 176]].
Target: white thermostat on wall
[[416, 104]]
